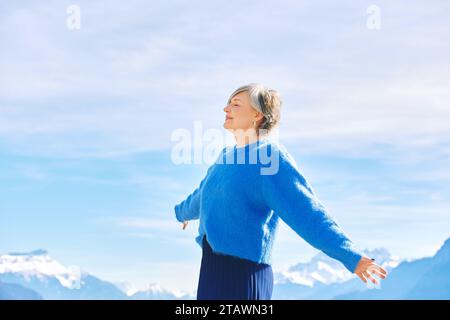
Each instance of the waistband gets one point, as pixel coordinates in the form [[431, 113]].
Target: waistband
[[207, 246]]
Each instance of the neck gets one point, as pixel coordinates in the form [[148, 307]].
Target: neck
[[248, 137]]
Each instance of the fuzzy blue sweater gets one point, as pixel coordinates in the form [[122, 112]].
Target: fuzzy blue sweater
[[244, 194]]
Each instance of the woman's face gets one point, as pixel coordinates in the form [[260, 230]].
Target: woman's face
[[240, 114]]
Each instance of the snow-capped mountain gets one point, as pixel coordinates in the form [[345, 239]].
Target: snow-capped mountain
[[323, 278], [50, 279], [155, 291], [36, 275], [425, 278], [39, 264], [325, 270]]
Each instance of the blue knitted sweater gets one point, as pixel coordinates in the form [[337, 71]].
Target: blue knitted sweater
[[244, 194]]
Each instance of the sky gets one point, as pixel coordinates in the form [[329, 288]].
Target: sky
[[87, 116]]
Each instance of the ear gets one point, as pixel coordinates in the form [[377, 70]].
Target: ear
[[258, 116]]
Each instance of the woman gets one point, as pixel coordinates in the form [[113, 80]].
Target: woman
[[239, 206]]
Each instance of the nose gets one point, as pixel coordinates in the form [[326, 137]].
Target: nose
[[226, 108]]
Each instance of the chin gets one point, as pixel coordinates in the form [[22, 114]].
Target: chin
[[228, 128]]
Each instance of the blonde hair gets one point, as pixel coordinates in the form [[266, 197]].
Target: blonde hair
[[265, 100]]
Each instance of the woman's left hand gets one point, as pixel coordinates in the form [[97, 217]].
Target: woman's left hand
[[366, 267]]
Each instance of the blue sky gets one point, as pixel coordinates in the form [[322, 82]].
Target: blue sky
[[86, 118]]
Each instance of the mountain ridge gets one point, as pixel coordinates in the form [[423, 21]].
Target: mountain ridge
[[35, 275]]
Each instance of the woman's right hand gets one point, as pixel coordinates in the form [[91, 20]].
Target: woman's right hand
[[185, 224], [366, 267]]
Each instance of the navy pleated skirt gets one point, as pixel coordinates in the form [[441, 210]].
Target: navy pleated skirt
[[225, 277]]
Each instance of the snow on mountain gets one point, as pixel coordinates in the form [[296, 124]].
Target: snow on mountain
[[40, 273], [155, 291], [325, 270], [424, 278], [127, 287], [39, 264], [320, 278]]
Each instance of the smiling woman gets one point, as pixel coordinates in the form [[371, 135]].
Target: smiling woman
[[252, 111], [239, 207]]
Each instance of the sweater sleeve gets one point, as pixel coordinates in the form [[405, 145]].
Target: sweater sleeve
[[292, 198], [189, 209]]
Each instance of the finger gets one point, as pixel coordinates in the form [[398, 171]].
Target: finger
[[373, 270], [361, 277], [379, 269], [382, 270], [379, 273], [369, 276]]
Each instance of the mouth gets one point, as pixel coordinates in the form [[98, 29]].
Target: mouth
[[228, 118]]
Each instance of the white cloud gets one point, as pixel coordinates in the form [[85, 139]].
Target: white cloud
[[152, 75]]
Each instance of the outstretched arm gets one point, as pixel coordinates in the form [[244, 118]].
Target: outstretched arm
[[291, 197], [189, 209]]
